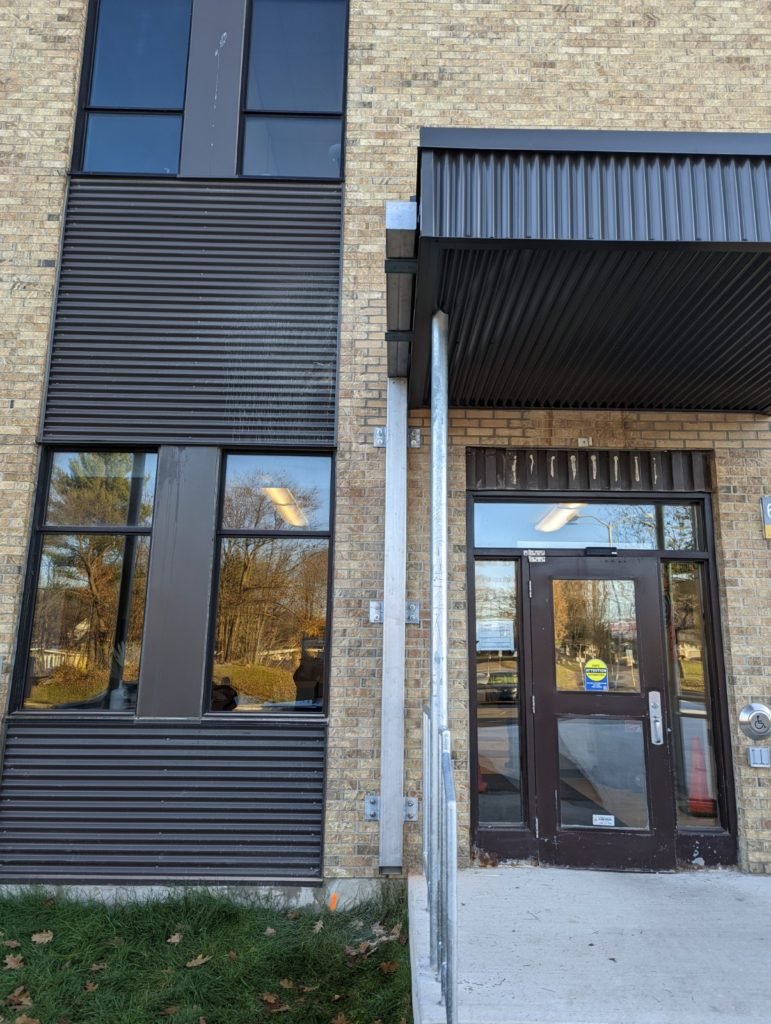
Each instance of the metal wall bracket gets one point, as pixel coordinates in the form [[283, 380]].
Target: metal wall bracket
[[414, 436], [411, 612], [372, 807], [379, 437]]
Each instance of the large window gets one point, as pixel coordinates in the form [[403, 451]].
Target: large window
[[86, 631], [133, 120], [271, 630], [294, 89]]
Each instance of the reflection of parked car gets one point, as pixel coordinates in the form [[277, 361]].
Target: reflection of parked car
[[498, 688]]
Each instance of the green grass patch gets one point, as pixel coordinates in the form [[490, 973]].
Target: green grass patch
[[198, 958]]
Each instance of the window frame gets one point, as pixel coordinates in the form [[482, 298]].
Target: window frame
[[38, 532], [245, 113], [85, 108], [296, 534]]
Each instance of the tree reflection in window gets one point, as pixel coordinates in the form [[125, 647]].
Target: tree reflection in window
[[89, 608], [271, 625]]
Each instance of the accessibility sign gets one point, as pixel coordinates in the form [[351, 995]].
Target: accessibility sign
[[595, 675], [766, 505]]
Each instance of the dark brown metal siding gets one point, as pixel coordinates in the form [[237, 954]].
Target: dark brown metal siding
[[218, 801], [554, 469], [609, 197], [196, 311]]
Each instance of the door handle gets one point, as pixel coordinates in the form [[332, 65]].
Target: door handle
[[655, 719]]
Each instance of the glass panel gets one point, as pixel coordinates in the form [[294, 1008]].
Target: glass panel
[[602, 773], [572, 524], [140, 58], [690, 684], [293, 147], [682, 528], [499, 771], [269, 492], [271, 625], [595, 636], [88, 620], [101, 489], [133, 143], [297, 56]]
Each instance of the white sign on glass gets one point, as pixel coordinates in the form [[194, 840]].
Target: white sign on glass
[[495, 635]]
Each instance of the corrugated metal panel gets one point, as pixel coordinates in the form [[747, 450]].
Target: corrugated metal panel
[[550, 469], [197, 311], [612, 197], [216, 801], [609, 328]]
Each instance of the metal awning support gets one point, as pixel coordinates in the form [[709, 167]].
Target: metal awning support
[[394, 596]]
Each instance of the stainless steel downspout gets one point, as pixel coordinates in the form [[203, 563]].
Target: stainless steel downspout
[[439, 590], [394, 597]]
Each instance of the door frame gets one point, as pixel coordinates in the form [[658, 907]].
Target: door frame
[[694, 846]]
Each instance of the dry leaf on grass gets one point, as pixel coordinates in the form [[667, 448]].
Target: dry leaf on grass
[[232, 955], [13, 963], [11, 944], [100, 966], [286, 983], [340, 1019], [389, 967], [198, 961], [201, 1020], [293, 915], [24, 1019], [91, 986], [310, 988], [269, 999], [283, 1008], [19, 997], [270, 932], [175, 939], [41, 938], [318, 926]]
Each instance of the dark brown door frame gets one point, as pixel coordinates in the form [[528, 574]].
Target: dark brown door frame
[[693, 846]]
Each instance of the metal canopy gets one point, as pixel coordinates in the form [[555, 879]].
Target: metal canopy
[[590, 270]]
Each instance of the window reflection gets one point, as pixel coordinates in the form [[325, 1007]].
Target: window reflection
[[499, 772], [101, 489], [271, 624], [689, 682], [269, 492]]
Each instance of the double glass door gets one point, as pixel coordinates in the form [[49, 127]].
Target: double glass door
[[593, 694]]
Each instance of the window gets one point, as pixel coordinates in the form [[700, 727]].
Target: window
[[86, 632], [294, 89], [133, 119], [271, 630]]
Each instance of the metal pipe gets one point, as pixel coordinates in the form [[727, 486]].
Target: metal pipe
[[394, 598], [439, 590]]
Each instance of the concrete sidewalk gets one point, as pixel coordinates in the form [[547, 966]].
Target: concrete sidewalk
[[556, 946]]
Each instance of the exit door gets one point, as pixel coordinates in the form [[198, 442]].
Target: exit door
[[602, 751]]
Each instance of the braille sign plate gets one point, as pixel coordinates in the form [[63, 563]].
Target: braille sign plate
[[766, 506]]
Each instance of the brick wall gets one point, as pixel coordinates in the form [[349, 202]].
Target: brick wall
[[697, 65], [39, 67]]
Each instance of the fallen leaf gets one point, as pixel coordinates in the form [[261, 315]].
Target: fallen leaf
[[269, 999], [100, 966], [24, 1019], [169, 1011], [378, 929], [309, 988], [318, 926], [340, 1019], [42, 938], [201, 1020], [396, 931], [198, 961], [365, 947], [286, 983], [293, 915], [13, 963], [12, 944], [91, 986], [283, 1008], [389, 967], [49, 902], [232, 955], [270, 932], [175, 939], [336, 998], [19, 997]]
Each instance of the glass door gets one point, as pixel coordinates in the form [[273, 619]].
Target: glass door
[[603, 761]]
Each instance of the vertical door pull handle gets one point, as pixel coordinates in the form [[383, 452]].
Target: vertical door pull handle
[[656, 721]]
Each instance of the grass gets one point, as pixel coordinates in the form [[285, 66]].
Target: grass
[[116, 965]]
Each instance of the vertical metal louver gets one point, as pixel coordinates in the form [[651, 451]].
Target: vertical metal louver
[[196, 312], [217, 801]]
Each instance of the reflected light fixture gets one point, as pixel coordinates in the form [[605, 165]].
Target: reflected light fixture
[[286, 505], [559, 516]]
